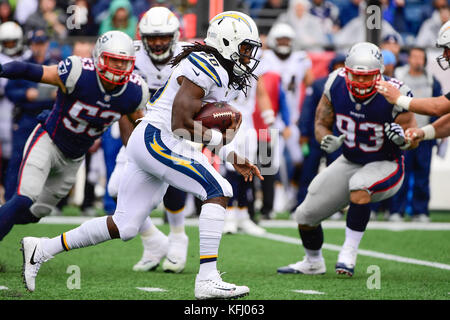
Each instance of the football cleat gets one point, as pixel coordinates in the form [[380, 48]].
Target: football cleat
[[155, 249], [33, 258], [306, 266], [176, 256], [346, 261], [230, 225], [215, 288], [249, 227]]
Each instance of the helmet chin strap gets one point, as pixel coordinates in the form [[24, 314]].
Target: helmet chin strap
[[160, 57]]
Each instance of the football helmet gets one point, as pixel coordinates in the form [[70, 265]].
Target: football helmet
[[363, 59], [236, 37], [278, 31], [114, 57], [443, 41], [159, 21], [11, 32]]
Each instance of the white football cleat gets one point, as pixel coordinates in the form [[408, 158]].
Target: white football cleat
[[215, 288], [33, 258], [176, 256], [155, 249], [230, 225], [346, 261], [306, 266], [249, 227]]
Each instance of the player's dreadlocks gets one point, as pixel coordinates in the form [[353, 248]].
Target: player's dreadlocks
[[237, 82]]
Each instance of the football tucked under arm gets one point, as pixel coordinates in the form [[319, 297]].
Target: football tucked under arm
[[217, 115]]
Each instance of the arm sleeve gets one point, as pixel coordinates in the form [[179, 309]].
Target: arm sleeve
[[448, 95]]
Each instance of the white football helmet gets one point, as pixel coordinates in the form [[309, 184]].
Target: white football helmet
[[114, 57], [278, 31], [236, 37], [159, 21], [443, 41], [11, 31], [364, 59]]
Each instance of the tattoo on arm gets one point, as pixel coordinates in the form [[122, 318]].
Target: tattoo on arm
[[324, 119]]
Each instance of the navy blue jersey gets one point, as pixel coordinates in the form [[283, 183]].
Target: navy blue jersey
[[86, 110], [362, 122]]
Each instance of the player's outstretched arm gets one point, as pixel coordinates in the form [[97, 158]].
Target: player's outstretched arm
[[32, 72], [438, 129], [436, 106]]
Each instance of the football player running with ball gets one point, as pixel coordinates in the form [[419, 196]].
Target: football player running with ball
[[371, 168], [158, 156], [92, 94]]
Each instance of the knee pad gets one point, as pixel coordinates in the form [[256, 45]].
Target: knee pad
[[302, 217], [113, 188], [41, 209], [127, 229]]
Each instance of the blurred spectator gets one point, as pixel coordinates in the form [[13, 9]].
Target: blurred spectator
[[354, 32], [24, 9], [269, 12], [389, 62], [120, 18], [309, 31], [30, 99], [6, 12], [49, 18], [83, 49], [417, 161], [430, 27], [328, 12], [81, 23], [349, 11]]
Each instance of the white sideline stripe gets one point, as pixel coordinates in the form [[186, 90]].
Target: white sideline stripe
[[3, 288], [369, 253], [151, 289], [376, 225], [308, 291]]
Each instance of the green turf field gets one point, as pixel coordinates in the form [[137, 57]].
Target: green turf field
[[105, 270]]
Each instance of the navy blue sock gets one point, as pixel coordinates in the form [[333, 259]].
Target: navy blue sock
[[358, 216], [17, 207], [312, 239]]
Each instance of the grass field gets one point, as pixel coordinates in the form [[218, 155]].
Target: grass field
[[105, 270]]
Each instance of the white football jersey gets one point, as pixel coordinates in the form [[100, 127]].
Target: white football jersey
[[155, 75], [292, 71], [202, 69]]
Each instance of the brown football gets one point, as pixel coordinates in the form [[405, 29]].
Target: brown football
[[217, 115]]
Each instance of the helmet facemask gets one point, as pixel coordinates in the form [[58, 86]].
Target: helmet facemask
[[114, 68], [245, 61], [365, 89], [159, 52], [444, 59]]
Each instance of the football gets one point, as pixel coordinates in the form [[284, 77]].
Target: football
[[217, 115]]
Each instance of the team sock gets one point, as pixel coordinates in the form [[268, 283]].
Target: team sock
[[312, 242], [16, 210], [211, 222]]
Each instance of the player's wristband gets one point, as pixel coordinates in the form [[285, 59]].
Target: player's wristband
[[268, 116], [216, 138], [429, 132], [403, 102]]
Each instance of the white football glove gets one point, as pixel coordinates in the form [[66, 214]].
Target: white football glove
[[395, 133], [331, 143]]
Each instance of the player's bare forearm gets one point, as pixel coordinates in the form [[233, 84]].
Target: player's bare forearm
[[437, 106], [262, 96], [127, 123], [442, 127], [324, 120]]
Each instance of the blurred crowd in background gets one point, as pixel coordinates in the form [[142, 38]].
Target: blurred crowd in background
[[51, 30]]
